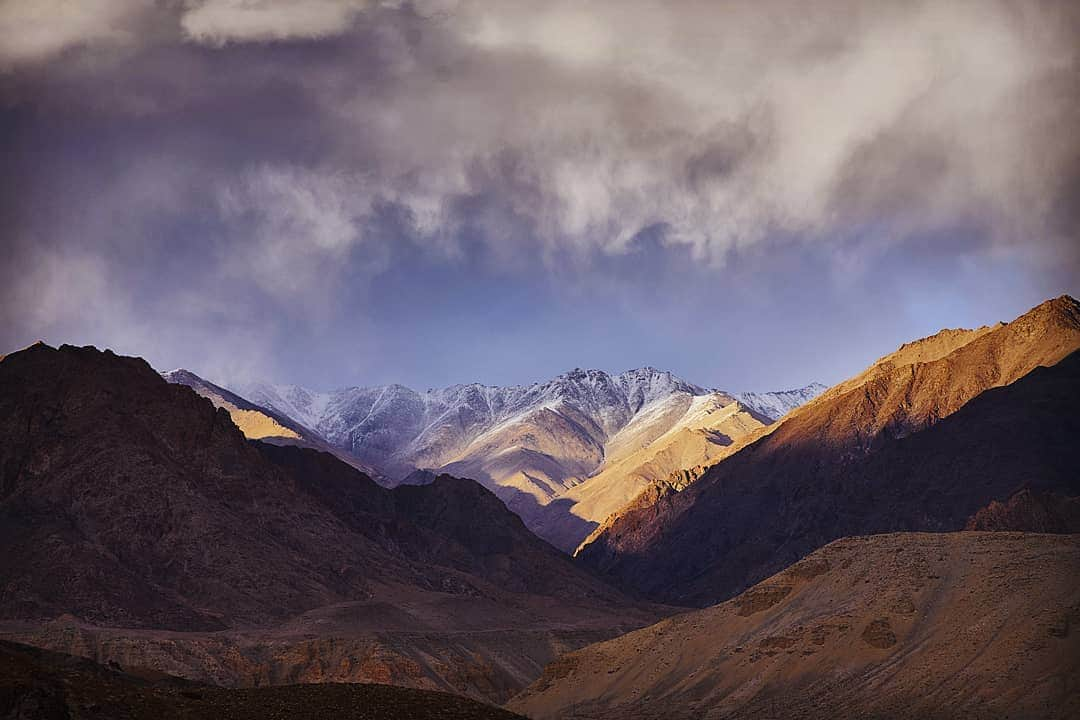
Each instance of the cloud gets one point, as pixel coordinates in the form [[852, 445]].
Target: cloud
[[569, 128], [566, 129], [277, 162], [61, 285], [220, 21], [751, 120], [33, 30]]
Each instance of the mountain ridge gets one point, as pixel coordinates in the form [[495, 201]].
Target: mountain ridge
[[823, 470]]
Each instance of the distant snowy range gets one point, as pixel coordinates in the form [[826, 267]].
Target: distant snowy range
[[563, 454]]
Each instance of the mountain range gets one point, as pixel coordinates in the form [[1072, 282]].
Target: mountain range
[[901, 545], [562, 454]]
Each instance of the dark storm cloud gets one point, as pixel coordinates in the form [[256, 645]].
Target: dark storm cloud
[[336, 192]]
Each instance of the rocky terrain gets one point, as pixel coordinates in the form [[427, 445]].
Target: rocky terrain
[[922, 440], [40, 685], [927, 626], [1031, 511], [137, 512]]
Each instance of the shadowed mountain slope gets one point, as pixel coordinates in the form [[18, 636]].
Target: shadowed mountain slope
[[904, 626], [257, 423], [873, 454]]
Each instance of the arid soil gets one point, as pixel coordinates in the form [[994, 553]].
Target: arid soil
[[949, 625]]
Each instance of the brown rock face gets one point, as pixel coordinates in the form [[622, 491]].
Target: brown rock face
[[920, 441], [128, 502], [910, 625]]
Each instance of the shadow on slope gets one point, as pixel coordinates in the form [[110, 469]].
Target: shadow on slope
[[773, 503]]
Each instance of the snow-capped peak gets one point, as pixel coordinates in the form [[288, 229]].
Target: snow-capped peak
[[774, 405]]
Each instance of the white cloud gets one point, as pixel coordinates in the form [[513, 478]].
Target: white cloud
[[572, 127], [221, 21], [821, 115], [569, 127], [56, 285], [34, 30]]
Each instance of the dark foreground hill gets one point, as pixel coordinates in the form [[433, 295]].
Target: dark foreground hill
[[40, 685], [140, 526]]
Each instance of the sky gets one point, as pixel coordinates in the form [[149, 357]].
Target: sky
[[753, 195]]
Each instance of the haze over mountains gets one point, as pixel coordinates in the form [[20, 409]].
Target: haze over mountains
[[563, 454]]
